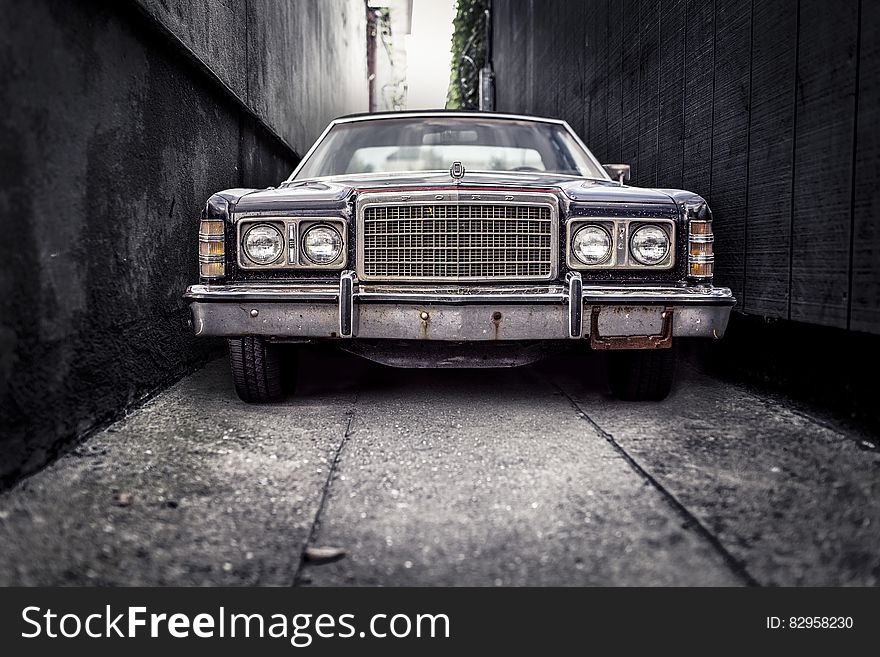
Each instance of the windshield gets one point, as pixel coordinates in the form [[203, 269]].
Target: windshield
[[430, 143]]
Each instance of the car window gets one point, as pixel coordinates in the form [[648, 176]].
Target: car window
[[413, 158], [434, 143]]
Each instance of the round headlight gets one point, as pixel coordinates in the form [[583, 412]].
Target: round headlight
[[263, 244], [322, 244], [591, 245], [649, 245]]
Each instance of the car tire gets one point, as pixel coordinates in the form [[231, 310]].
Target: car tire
[[641, 375], [256, 370]]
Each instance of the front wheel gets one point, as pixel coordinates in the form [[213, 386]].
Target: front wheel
[[256, 370], [641, 375]]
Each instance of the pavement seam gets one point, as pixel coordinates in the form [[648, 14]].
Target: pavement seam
[[857, 434], [738, 567], [325, 493]]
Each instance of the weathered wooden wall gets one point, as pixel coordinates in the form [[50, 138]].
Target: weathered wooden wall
[[768, 108]]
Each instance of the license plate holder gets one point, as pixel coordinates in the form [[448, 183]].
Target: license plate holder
[[662, 340]]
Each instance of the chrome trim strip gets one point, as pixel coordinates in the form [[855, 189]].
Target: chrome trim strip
[[380, 116], [546, 294], [673, 295], [259, 292], [560, 297], [378, 293]]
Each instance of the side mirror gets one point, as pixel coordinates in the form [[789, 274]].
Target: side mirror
[[619, 172]]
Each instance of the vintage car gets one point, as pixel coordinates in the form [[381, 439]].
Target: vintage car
[[457, 239]]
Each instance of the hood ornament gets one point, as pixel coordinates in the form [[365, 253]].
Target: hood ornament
[[456, 171]]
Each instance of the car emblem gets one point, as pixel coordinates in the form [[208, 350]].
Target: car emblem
[[457, 170]]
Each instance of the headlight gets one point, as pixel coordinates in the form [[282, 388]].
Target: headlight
[[322, 244], [591, 245], [649, 245], [263, 244]]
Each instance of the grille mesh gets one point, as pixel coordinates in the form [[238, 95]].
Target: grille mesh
[[457, 241]]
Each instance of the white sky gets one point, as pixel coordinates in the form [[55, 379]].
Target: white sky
[[429, 54]]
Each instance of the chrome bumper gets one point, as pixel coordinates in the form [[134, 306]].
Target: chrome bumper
[[440, 312]]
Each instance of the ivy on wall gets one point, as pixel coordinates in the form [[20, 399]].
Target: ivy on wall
[[468, 53]]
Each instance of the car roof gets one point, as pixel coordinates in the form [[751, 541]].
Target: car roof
[[441, 113]]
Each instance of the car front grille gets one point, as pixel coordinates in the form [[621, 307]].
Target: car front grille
[[457, 241]]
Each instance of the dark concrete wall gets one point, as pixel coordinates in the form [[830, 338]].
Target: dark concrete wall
[[119, 119], [294, 64], [769, 109]]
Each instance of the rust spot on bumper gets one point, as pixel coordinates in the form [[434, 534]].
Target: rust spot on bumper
[[496, 323], [424, 318]]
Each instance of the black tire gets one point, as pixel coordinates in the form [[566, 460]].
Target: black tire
[[641, 375], [256, 370]]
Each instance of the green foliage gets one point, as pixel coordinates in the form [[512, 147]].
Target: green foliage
[[468, 41]]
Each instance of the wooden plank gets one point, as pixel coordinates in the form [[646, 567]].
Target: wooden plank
[[730, 141], [821, 226], [545, 71], [572, 62], [527, 43], [613, 94], [699, 45], [865, 294], [505, 57], [670, 122], [630, 87], [518, 75], [649, 89], [595, 80], [768, 220], [508, 57]]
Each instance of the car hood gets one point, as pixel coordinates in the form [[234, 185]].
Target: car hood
[[337, 189]]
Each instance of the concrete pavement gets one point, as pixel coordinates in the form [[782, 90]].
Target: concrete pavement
[[529, 476]]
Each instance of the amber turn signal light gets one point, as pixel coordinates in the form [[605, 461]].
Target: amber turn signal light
[[701, 248], [701, 270], [701, 252], [212, 249]]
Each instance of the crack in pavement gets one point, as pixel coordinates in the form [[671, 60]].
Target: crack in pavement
[[325, 491], [691, 521], [484, 478]]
